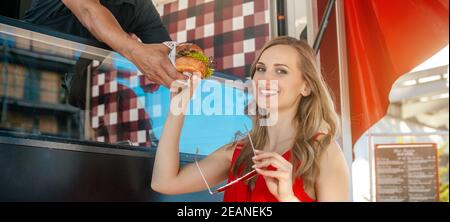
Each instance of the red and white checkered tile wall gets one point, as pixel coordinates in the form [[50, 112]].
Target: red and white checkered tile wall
[[229, 30], [117, 113]]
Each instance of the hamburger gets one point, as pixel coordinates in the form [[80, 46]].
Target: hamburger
[[191, 58]]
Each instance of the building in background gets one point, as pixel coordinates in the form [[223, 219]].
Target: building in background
[[31, 97]]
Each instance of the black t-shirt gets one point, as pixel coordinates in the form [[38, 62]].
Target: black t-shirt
[[134, 16]]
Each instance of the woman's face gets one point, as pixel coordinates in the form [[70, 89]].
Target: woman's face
[[280, 63]]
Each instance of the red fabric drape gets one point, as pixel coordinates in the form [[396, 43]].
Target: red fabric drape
[[386, 39]]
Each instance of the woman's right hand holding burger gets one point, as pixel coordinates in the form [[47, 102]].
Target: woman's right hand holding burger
[[182, 92]]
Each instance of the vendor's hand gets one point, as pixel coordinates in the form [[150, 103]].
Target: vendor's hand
[[278, 181], [152, 60], [134, 37]]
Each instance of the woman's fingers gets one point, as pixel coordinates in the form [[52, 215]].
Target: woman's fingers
[[273, 174], [271, 162], [261, 156]]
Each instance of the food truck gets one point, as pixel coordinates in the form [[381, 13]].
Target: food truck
[[391, 98]]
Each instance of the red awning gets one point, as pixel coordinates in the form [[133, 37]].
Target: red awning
[[385, 40]]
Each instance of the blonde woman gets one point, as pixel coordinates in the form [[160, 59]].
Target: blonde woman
[[296, 159]]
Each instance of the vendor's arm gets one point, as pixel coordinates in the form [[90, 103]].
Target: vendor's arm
[[151, 59]]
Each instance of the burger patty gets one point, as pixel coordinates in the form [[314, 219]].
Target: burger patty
[[188, 64]]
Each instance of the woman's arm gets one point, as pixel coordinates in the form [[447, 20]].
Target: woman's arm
[[169, 179], [332, 184]]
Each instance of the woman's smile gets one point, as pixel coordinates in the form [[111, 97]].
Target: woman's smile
[[267, 92]]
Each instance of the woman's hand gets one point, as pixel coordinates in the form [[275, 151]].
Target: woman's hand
[[182, 91], [277, 173]]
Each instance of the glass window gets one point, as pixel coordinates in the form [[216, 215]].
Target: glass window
[[110, 101]]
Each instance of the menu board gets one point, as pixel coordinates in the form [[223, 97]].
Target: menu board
[[406, 172]]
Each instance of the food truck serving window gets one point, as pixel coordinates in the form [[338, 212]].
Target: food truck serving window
[[112, 103]]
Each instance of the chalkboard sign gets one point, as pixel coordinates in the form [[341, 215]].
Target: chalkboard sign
[[406, 172]]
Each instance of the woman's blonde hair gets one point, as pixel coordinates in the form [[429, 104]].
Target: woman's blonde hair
[[315, 113]]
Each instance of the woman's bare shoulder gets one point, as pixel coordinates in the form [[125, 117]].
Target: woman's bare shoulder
[[332, 162], [332, 183], [332, 153]]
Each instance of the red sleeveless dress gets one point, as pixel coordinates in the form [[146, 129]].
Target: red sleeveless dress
[[239, 192]]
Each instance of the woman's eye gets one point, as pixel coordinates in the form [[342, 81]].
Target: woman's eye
[[281, 71], [260, 69]]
